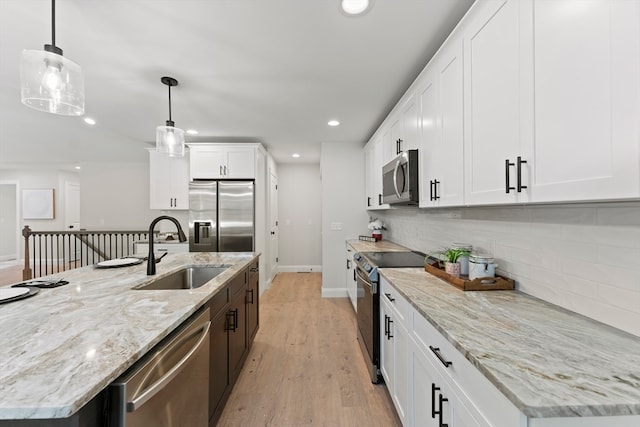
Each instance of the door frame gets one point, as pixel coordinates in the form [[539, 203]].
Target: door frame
[[18, 231]]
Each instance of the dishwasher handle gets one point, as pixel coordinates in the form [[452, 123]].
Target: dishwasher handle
[[162, 382]]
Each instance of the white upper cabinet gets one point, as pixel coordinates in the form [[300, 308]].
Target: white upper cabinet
[[586, 61], [492, 99], [441, 132], [168, 181], [404, 129], [219, 161], [373, 170]]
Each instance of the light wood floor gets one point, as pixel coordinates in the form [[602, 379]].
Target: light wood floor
[[305, 367]]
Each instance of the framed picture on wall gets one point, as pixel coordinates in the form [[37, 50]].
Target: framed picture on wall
[[38, 203]]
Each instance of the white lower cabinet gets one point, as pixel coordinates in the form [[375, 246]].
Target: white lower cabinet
[[394, 350], [350, 276]]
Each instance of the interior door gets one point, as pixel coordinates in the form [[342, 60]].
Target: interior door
[[273, 223], [72, 215]]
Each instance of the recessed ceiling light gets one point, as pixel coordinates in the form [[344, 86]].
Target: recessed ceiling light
[[355, 7], [295, 155], [89, 121], [192, 131], [333, 123], [78, 167]]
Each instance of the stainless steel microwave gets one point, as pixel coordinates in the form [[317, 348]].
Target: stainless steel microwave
[[400, 179]]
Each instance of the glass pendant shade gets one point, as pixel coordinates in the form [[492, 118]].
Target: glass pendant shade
[[52, 83], [170, 140]]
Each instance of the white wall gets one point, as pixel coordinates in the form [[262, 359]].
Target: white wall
[[581, 257], [300, 216], [115, 196], [342, 169], [39, 179]]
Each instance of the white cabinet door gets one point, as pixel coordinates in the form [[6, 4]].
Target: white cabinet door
[[240, 163], [350, 278], [368, 175], [441, 156], [388, 146], [396, 135], [493, 123], [401, 359], [423, 383], [168, 182], [586, 60], [219, 161], [386, 346], [207, 163], [410, 124]]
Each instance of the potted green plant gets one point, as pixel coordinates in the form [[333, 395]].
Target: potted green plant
[[450, 257]]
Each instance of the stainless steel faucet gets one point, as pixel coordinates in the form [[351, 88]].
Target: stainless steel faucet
[[151, 259]]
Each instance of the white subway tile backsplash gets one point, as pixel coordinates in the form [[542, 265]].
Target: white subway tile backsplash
[[581, 257]]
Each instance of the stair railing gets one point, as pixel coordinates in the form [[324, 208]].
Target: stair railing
[[48, 252]]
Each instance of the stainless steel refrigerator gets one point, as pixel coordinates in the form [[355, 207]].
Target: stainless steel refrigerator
[[221, 216]]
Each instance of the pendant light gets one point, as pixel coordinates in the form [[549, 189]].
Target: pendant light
[[170, 139], [50, 82]]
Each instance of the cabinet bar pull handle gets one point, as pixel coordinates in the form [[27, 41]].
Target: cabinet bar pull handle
[[379, 199], [220, 170], [435, 189], [440, 423], [354, 275], [348, 264], [430, 190], [390, 336], [250, 291], [507, 165], [436, 351], [368, 201], [389, 297], [386, 325], [433, 400], [519, 172]]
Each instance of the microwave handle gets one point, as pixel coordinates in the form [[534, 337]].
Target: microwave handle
[[395, 178]]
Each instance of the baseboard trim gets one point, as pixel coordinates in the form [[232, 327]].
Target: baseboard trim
[[299, 269], [335, 293]]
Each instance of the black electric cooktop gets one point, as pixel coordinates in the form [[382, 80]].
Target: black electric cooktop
[[394, 259]]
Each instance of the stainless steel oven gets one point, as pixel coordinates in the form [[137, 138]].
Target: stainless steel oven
[[368, 315], [368, 300]]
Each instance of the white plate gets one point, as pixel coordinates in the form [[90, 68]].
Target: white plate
[[121, 262], [8, 293]]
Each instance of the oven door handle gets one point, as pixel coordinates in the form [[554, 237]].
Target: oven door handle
[[395, 179], [372, 286]]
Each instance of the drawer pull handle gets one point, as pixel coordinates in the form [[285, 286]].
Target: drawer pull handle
[[436, 351], [433, 400], [440, 423], [389, 297]]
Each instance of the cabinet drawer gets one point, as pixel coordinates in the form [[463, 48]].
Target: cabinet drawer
[[466, 381], [217, 303], [237, 283], [396, 301]]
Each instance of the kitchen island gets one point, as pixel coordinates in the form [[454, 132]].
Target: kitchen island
[[516, 360], [62, 347]]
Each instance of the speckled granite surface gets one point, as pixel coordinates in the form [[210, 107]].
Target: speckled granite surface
[[548, 361], [61, 347], [381, 246]]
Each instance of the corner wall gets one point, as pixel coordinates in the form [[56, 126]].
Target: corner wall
[[343, 214]]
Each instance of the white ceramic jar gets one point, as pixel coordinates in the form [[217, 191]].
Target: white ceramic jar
[[463, 260], [481, 265]]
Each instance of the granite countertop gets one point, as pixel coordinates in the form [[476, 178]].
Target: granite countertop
[[380, 246], [548, 361], [61, 347]]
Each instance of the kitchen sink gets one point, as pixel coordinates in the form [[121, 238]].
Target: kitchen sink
[[187, 278]]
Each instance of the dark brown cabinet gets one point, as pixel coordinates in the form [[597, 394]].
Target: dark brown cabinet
[[253, 291], [234, 323], [237, 325]]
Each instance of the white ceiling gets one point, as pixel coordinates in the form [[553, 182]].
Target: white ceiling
[[272, 71]]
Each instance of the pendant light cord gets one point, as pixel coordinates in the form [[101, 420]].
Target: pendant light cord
[[53, 22], [170, 103]]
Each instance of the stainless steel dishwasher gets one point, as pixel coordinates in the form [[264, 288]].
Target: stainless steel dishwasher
[[170, 386]]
